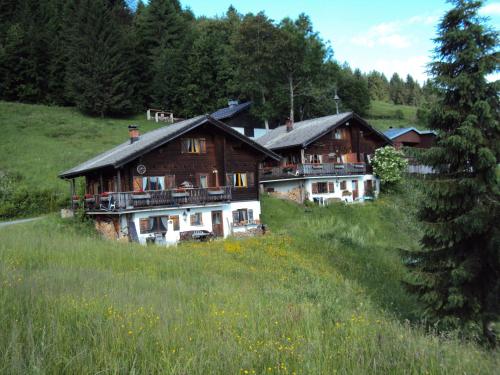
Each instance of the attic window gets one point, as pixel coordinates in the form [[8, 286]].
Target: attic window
[[194, 146]]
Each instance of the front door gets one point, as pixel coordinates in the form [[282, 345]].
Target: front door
[[354, 189], [217, 225]]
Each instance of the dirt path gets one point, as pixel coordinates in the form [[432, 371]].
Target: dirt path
[[7, 223]]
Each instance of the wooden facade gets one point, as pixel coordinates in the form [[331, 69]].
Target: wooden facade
[[222, 162], [346, 149]]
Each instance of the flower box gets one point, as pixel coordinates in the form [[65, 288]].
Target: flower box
[[179, 194], [216, 192], [139, 195]]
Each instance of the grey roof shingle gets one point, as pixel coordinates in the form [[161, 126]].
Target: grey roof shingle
[[127, 151], [305, 132], [396, 132], [224, 113]]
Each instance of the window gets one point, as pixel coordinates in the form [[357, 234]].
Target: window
[[315, 159], [203, 178], [194, 146], [175, 219], [242, 216], [240, 179], [196, 219], [337, 134], [154, 224], [149, 183], [319, 187], [343, 185]]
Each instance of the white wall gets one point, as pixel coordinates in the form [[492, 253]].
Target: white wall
[[287, 186], [206, 211]]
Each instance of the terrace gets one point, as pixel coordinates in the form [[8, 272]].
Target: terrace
[[120, 201], [308, 170]]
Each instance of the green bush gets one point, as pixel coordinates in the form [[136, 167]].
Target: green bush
[[17, 199], [389, 164]]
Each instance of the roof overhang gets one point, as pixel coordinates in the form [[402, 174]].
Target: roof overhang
[[204, 120]]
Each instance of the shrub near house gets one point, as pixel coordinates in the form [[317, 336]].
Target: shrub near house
[[389, 164]]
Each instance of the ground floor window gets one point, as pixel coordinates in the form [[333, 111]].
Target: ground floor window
[[242, 216], [158, 224], [196, 218], [343, 185], [323, 187]]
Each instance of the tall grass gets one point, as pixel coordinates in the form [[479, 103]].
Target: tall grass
[[320, 294]]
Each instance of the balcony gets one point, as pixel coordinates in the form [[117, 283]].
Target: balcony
[[119, 201], [308, 170]]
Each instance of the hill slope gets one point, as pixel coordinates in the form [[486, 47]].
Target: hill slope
[[39, 141], [320, 294]]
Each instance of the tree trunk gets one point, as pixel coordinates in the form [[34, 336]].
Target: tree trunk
[[266, 121], [290, 84]]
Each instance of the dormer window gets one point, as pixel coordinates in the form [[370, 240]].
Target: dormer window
[[194, 146]]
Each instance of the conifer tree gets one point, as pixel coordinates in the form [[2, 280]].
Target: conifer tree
[[99, 77], [457, 272]]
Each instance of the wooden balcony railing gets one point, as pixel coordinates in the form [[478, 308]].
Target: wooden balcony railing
[[117, 201], [304, 170]]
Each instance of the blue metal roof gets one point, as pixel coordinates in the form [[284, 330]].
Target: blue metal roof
[[396, 132], [224, 113]]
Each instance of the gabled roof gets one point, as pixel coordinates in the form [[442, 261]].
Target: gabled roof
[[396, 132], [126, 152], [306, 132], [224, 113]]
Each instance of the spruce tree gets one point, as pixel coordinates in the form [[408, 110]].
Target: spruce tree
[[99, 74], [457, 271]]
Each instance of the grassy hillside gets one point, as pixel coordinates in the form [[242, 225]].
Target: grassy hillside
[[38, 142], [320, 294], [384, 115]]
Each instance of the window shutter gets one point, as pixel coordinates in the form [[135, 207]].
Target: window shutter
[[251, 179], [315, 188], [331, 187], [203, 146], [236, 217], [170, 181], [229, 179], [137, 183], [184, 145], [250, 215], [192, 219], [320, 159]]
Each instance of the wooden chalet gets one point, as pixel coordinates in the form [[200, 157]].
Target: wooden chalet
[[238, 116], [411, 137], [323, 159], [192, 179]]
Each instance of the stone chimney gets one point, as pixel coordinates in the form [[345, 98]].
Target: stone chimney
[[289, 125], [232, 103], [133, 132]]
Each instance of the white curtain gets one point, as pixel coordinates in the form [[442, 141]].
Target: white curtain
[[164, 221]]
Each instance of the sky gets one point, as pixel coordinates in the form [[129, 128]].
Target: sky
[[385, 35]]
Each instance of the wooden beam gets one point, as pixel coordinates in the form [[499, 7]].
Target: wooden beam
[[119, 180], [72, 192], [101, 183]]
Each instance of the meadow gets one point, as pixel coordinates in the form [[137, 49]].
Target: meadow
[[39, 141], [321, 293]]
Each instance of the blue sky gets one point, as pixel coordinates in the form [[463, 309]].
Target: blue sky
[[388, 36]]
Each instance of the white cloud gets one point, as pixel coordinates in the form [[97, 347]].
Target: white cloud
[[396, 34], [492, 9]]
